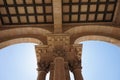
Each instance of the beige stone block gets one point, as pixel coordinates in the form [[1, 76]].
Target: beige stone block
[[39, 9], [49, 18], [83, 8], [3, 10], [9, 1], [6, 20], [29, 1], [93, 8], [14, 19], [102, 0], [32, 19], [74, 17], [84, 0], [65, 17], [23, 19], [19, 1], [83, 17], [100, 16], [40, 18], [65, 1], [21, 10], [38, 1], [75, 1], [48, 1], [48, 9], [101, 7], [12, 10], [91, 17], [93, 0], [75, 8], [30, 10], [110, 7], [66, 8], [108, 16]]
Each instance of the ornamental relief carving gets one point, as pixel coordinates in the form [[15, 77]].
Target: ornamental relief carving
[[59, 51], [58, 46]]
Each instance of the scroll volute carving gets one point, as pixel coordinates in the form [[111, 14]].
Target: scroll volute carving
[[43, 53], [75, 65], [78, 51], [43, 66]]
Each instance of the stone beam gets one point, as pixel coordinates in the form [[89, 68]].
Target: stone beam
[[57, 12], [116, 20]]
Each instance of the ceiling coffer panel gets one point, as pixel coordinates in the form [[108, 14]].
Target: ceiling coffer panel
[[87, 11], [18, 12]]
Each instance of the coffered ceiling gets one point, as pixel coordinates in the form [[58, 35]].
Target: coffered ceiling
[[57, 12]]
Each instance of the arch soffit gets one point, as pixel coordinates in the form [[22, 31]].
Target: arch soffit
[[20, 40], [98, 38]]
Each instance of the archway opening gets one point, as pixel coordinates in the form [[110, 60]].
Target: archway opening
[[18, 62], [100, 61]]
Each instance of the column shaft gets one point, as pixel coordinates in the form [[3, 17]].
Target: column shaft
[[59, 69], [51, 74], [51, 71], [67, 71], [77, 74], [41, 75]]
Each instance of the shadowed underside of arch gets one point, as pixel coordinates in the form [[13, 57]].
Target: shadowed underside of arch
[[18, 35], [94, 32], [97, 38], [20, 40]]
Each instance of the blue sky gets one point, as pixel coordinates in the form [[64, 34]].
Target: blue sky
[[100, 61]]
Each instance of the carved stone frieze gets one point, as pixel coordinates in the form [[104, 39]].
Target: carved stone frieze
[[58, 39], [58, 46]]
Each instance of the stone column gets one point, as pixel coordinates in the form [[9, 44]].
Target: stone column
[[67, 73], [76, 69], [59, 69], [42, 71], [41, 75], [51, 71]]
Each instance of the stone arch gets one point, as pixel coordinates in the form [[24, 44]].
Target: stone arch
[[94, 32], [20, 40], [97, 38], [26, 34]]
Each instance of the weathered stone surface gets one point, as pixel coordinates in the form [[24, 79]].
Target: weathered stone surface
[[59, 56]]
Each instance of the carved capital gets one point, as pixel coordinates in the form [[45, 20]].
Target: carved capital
[[78, 50], [43, 66], [66, 66], [59, 51], [51, 66], [75, 65]]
